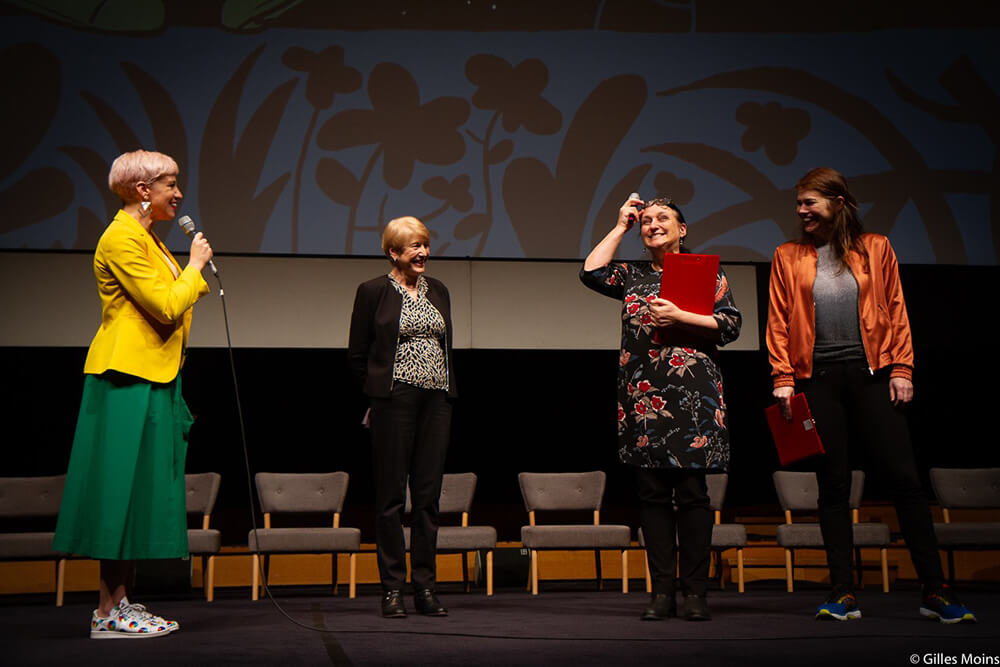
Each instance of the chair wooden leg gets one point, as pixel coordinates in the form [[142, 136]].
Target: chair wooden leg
[[597, 566], [489, 572], [884, 558], [465, 571], [209, 582], [859, 566], [534, 572], [255, 578], [720, 569], [333, 571], [352, 582], [60, 581], [739, 570], [624, 570], [649, 577], [951, 567], [788, 571]]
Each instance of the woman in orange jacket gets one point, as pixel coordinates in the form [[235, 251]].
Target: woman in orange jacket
[[124, 495], [837, 330]]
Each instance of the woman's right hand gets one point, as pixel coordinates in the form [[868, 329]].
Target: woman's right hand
[[784, 397], [628, 214], [201, 251]]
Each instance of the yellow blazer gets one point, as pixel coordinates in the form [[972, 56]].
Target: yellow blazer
[[145, 310]]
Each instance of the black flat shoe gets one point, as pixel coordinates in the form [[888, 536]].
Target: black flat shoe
[[427, 603], [696, 608], [392, 605], [661, 606]]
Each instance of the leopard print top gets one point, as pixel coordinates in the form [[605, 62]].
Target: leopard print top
[[420, 359]]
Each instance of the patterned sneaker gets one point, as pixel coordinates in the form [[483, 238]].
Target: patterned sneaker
[[125, 623], [839, 606], [172, 626], [942, 605]]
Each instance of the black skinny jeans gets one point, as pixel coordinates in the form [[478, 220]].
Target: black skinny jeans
[[688, 529], [410, 432], [846, 393]]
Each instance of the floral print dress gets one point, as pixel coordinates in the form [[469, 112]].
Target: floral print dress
[[671, 411]]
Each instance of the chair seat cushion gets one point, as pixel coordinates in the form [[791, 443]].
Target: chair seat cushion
[[460, 538], [808, 535], [799, 535], [968, 534], [305, 540], [871, 535], [204, 541], [27, 546], [576, 537], [729, 535]]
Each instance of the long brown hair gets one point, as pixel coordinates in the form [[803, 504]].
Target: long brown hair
[[847, 228]]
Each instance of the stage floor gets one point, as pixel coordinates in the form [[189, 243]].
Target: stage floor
[[566, 624]]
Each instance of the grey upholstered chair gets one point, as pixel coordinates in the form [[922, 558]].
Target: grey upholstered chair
[[570, 491], [303, 493], [201, 490], [799, 491], [457, 491], [966, 488], [724, 535], [32, 498]]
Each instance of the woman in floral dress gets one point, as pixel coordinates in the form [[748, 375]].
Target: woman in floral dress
[[671, 414]]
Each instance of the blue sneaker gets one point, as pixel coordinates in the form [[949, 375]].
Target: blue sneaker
[[839, 606], [942, 605]]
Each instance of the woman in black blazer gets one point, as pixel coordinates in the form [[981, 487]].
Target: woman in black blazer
[[400, 352]]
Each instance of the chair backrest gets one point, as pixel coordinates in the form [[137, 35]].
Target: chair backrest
[[958, 488], [457, 490], [800, 490], [31, 496], [302, 492], [562, 490], [717, 489], [201, 491]]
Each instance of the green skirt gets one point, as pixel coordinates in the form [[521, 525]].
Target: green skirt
[[124, 497]]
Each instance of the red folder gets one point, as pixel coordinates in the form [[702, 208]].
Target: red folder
[[688, 281], [796, 439]]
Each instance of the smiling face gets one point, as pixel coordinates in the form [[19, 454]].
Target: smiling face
[[661, 229], [164, 196], [817, 212], [411, 258]]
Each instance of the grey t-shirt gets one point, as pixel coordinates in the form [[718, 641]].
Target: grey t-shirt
[[835, 293]]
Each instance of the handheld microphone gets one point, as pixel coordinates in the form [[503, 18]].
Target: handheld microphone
[[631, 216], [187, 226]]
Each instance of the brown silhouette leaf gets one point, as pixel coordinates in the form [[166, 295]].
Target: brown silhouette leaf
[[471, 226], [768, 201], [681, 190], [549, 212], [337, 182], [123, 136], [38, 195], [96, 168], [31, 75], [880, 131], [235, 214], [88, 229], [169, 135], [608, 213], [500, 152]]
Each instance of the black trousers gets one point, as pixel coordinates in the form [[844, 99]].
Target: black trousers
[[410, 432], [847, 394], [667, 531]]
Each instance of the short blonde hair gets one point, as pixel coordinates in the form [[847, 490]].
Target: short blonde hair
[[401, 231], [130, 169]]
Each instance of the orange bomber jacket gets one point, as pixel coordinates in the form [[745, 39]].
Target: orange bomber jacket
[[791, 317]]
